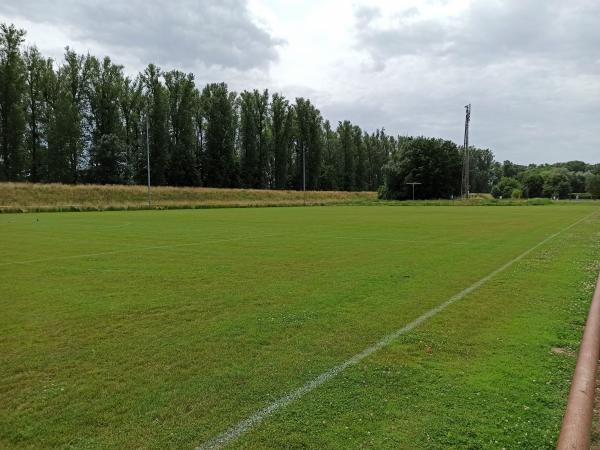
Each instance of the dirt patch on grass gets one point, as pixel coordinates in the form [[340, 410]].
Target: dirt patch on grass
[[562, 351]]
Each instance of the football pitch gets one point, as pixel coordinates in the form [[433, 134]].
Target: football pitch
[[317, 327]]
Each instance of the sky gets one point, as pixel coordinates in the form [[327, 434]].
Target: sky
[[530, 68]]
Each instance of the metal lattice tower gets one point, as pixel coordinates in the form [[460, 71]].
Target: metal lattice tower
[[465, 184]]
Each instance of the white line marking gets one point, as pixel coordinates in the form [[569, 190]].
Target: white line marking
[[130, 250], [247, 424]]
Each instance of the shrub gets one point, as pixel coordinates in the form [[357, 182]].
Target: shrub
[[505, 187]]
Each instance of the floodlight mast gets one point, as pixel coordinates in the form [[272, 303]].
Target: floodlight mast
[[413, 188], [465, 183]]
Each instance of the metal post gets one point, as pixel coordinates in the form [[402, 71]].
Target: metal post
[[148, 163], [304, 174], [413, 188], [465, 183]]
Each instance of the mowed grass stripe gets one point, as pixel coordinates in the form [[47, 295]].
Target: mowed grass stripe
[[164, 348], [493, 371], [130, 250], [247, 424]]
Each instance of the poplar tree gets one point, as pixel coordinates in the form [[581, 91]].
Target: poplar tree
[[183, 166], [12, 99], [156, 114], [108, 152], [66, 96], [281, 135], [347, 144], [255, 160], [308, 143], [37, 70], [132, 113], [219, 164]]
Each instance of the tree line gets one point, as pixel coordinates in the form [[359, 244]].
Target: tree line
[[573, 179], [437, 165], [83, 120]]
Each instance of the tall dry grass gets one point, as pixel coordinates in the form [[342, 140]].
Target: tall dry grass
[[60, 197]]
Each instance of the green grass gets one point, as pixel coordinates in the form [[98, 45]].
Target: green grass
[[179, 324], [28, 197]]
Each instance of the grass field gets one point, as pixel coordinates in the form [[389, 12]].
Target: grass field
[[30, 197], [163, 329]]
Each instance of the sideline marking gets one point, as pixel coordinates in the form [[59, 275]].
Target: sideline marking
[[247, 424], [129, 250]]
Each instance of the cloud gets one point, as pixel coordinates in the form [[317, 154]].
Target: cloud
[[529, 68], [179, 33], [487, 32]]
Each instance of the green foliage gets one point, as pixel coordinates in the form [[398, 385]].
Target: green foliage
[[511, 170], [64, 124], [220, 114], [308, 143], [348, 151], [481, 162], [110, 160], [435, 163], [556, 184], [282, 117], [184, 161], [157, 114], [506, 187], [593, 185], [38, 72], [256, 164], [12, 99], [533, 184]]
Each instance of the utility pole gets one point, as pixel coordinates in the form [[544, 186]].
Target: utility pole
[[413, 188], [148, 163], [465, 183], [304, 174]]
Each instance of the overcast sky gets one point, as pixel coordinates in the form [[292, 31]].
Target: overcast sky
[[530, 68]]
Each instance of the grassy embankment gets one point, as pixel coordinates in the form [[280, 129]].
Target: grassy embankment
[[28, 197]]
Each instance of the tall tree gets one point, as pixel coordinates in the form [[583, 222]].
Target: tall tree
[[183, 167], [12, 97], [255, 167], [481, 161], [219, 163], [347, 149], [331, 169], [66, 94], [360, 176], [281, 133], [308, 142], [435, 163], [132, 112], [249, 159], [37, 74], [108, 151], [157, 111]]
